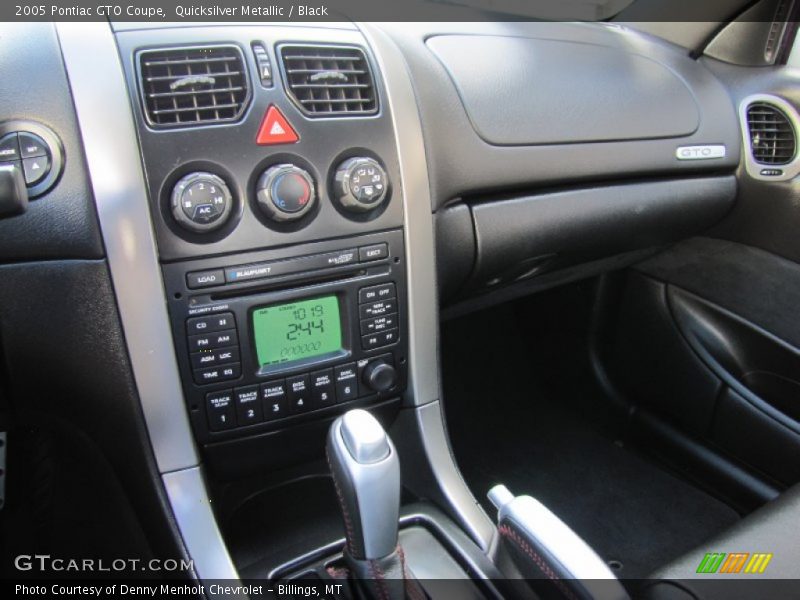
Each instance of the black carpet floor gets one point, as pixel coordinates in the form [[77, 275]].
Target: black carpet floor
[[522, 409]]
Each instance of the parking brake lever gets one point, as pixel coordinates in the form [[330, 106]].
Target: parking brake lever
[[547, 553]]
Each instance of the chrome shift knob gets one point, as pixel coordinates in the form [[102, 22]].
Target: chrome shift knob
[[366, 473]]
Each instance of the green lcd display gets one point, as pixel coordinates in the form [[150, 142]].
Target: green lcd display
[[297, 330]]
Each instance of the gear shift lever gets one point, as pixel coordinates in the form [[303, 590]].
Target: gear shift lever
[[366, 472]]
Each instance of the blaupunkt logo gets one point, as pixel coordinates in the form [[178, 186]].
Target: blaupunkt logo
[[734, 563]]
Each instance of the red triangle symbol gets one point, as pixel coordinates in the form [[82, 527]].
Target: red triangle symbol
[[275, 129]]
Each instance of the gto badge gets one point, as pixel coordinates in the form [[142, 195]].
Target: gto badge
[[700, 152]]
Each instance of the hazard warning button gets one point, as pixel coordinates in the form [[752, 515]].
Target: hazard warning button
[[275, 129]]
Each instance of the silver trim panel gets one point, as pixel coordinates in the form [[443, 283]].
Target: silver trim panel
[[754, 169], [104, 114], [191, 504], [112, 156], [423, 303]]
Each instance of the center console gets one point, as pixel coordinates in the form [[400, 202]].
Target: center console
[[265, 208], [274, 190]]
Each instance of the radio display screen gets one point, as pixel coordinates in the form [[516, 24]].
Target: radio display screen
[[297, 330]]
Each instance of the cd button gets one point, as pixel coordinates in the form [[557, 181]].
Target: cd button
[[210, 324]]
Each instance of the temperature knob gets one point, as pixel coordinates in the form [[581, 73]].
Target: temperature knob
[[201, 202], [360, 184], [285, 192]]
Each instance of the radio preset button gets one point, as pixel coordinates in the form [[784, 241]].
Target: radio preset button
[[220, 410], [377, 309], [202, 279], [216, 357], [210, 341], [322, 388], [385, 291], [377, 324], [373, 252], [248, 405], [299, 392], [346, 378], [376, 340], [210, 324], [274, 400]]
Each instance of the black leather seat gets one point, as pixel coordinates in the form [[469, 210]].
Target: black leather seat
[[774, 529]]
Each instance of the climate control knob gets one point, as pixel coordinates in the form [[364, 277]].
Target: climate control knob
[[201, 202], [285, 192], [360, 184], [379, 376]]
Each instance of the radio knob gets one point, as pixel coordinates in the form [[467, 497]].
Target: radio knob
[[201, 202], [285, 192], [379, 376], [360, 184]]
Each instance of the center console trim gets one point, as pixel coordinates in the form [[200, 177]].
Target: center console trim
[[423, 317], [104, 113]]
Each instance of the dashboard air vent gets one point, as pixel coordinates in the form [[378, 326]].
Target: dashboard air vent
[[329, 81], [193, 86], [772, 136]]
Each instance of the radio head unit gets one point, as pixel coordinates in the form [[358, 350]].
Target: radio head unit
[[268, 339]]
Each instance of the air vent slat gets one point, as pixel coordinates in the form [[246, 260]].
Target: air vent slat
[[772, 136], [193, 86], [329, 80]]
